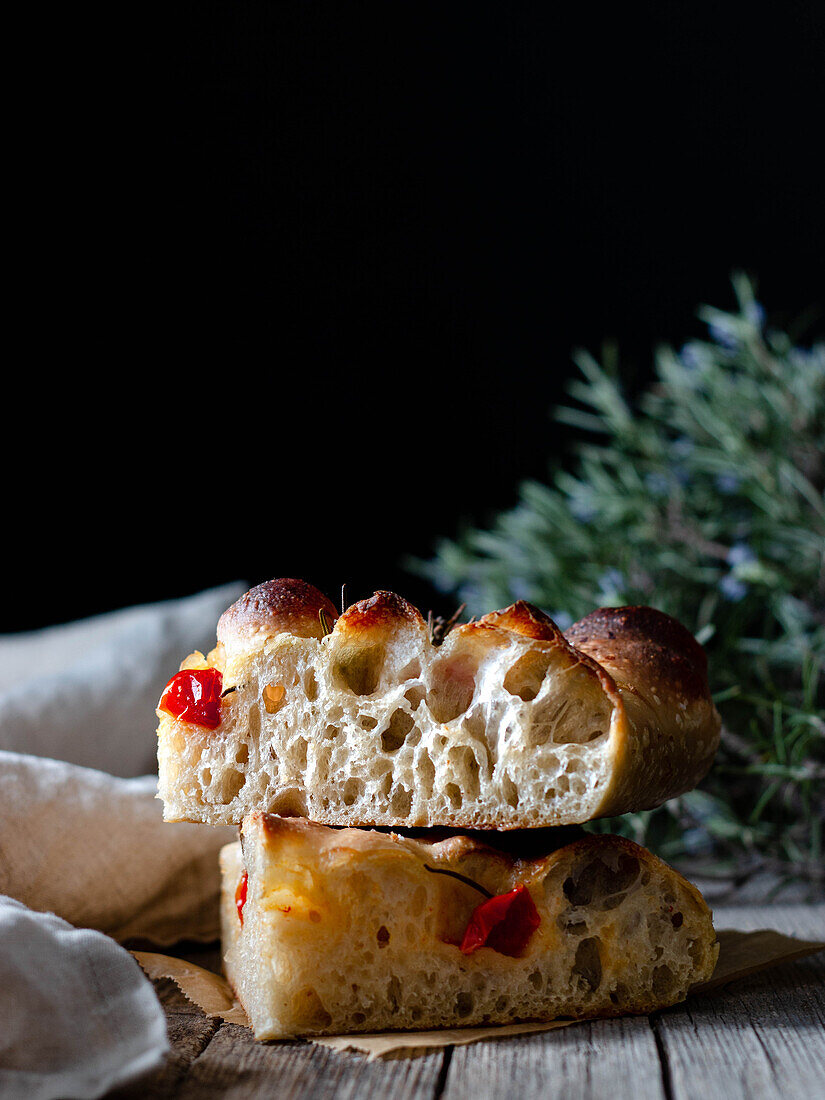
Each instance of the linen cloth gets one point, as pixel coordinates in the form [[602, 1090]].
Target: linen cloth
[[83, 846]]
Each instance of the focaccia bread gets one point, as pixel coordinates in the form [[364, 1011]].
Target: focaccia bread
[[329, 931], [362, 720]]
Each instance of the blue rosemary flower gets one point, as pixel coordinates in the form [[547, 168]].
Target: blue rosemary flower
[[741, 554], [725, 334], [732, 588], [728, 483], [657, 483], [755, 313], [582, 509], [691, 357]]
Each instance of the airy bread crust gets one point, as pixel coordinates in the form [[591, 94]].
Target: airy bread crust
[[347, 930], [507, 724]]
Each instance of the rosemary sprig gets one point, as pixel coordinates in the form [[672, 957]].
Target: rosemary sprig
[[704, 497], [461, 878], [438, 627], [326, 625]]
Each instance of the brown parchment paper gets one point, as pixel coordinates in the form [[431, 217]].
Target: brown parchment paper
[[740, 954]]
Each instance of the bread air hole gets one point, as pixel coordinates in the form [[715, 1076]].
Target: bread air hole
[[309, 1010], [394, 736], [394, 993], [290, 803], [426, 775], [415, 696], [385, 781], [310, 686], [298, 754], [231, 783], [696, 952], [588, 964], [598, 881], [454, 795], [509, 791], [572, 922], [474, 725], [358, 668], [274, 696], [572, 720], [452, 687], [401, 802], [464, 766], [353, 789], [526, 676], [663, 981]]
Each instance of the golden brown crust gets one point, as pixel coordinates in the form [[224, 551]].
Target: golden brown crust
[[274, 607], [381, 611], [524, 618], [642, 638], [530, 622], [454, 847], [661, 673]]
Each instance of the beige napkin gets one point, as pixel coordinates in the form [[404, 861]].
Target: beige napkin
[[94, 849], [86, 692], [78, 1017], [82, 839]]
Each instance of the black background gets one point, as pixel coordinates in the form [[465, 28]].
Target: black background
[[296, 286]]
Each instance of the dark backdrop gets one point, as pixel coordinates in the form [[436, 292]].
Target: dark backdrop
[[296, 285]]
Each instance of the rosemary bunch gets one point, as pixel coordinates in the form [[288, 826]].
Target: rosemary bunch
[[704, 498]]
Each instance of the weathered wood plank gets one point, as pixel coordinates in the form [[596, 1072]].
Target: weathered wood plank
[[763, 1037], [235, 1067], [806, 922], [190, 1032], [587, 1061]]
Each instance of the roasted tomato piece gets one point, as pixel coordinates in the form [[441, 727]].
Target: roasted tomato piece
[[240, 895], [505, 922], [194, 695]]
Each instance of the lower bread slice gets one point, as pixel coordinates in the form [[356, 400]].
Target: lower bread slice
[[347, 930]]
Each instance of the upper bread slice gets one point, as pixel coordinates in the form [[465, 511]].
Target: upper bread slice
[[328, 931], [506, 724]]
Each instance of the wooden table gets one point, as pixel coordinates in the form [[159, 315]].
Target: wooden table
[[761, 1037]]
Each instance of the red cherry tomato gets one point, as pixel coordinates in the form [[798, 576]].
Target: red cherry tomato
[[194, 695], [505, 923], [240, 895]]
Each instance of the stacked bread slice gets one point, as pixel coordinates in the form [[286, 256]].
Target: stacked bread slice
[[402, 795]]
